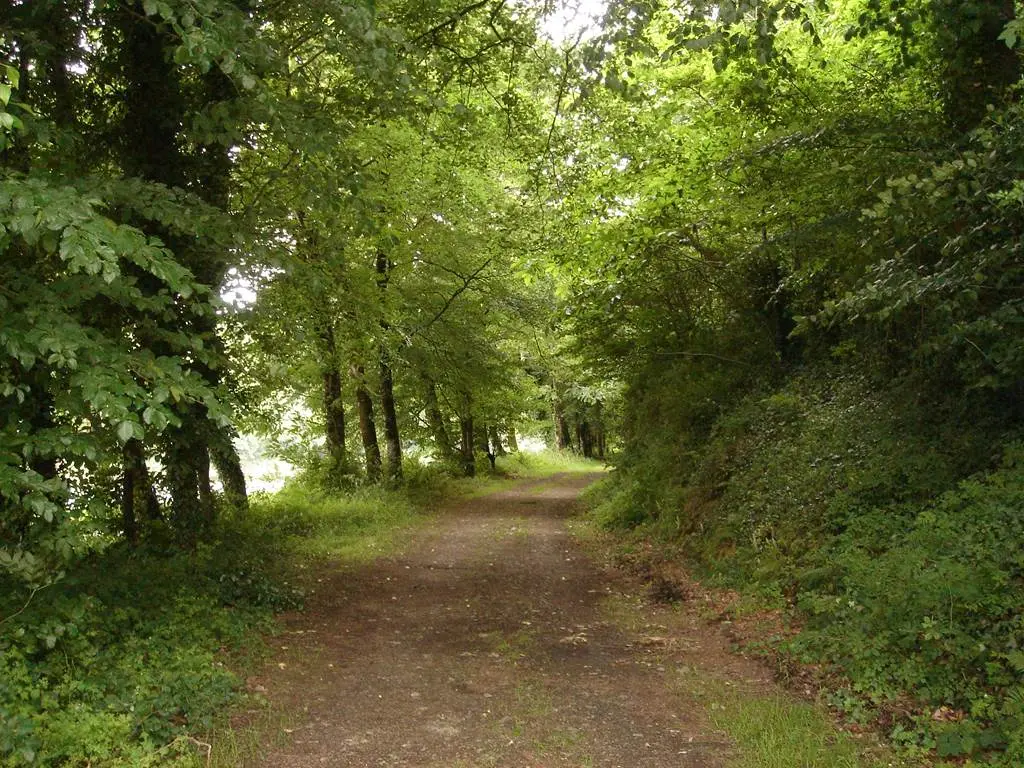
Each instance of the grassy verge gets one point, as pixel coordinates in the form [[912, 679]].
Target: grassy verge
[[547, 463], [769, 727], [779, 732], [519, 466]]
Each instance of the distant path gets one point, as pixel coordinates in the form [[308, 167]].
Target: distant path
[[484, 644]]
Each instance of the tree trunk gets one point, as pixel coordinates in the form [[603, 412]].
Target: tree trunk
[[150, 149], [137, 494], [182, 468], [207, 506], [468, 456], [466, 425], [392, 439], [563, 436], [367, 427], [510, 434], [586, 440], [600, 438], [496, 446], [129, 523], [436, 421], [39, 407], [225, 460], [153, 100], [484, 442], [334, 420]]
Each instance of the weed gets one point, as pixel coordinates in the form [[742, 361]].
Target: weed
[[516, 645]]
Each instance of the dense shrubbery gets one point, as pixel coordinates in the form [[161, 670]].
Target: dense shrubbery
[[127, 653], [887, 515], [933, 607]]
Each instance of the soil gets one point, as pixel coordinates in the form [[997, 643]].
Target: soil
[[492, 640]]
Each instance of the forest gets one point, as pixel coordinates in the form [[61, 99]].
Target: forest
[[761, 257]]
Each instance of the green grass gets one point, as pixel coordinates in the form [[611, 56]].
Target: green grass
[[509, 470], [242, 743], [547, 463], [776, 731], [515, 646], [355, 527]]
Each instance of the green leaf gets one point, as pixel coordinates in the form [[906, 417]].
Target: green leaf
[[1012, 32], [125, 431], [12, 74]]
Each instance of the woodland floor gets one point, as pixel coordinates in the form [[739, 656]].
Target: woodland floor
[[493, 639]]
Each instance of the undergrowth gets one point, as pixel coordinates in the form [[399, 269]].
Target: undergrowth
[[886, 518], [138, 652], [776, 732], [132, 652]]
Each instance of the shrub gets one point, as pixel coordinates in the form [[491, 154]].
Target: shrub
[[885, 513], [125, 655]]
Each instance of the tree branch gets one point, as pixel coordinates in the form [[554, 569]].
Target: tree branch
[[452, 21], [702, 354], [467, 280], [21, 610]]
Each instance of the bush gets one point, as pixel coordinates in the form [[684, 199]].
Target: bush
[[109, 666], [938, 612], [884, 512]]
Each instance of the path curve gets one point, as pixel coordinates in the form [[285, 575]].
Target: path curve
[[483, 644]]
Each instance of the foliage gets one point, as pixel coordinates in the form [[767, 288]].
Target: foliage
[[795, 237], [951, 636], [767, 252], [952, 236], [129, 653], [861, 507]]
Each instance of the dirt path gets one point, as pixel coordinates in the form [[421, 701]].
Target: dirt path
[[487, 643]]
